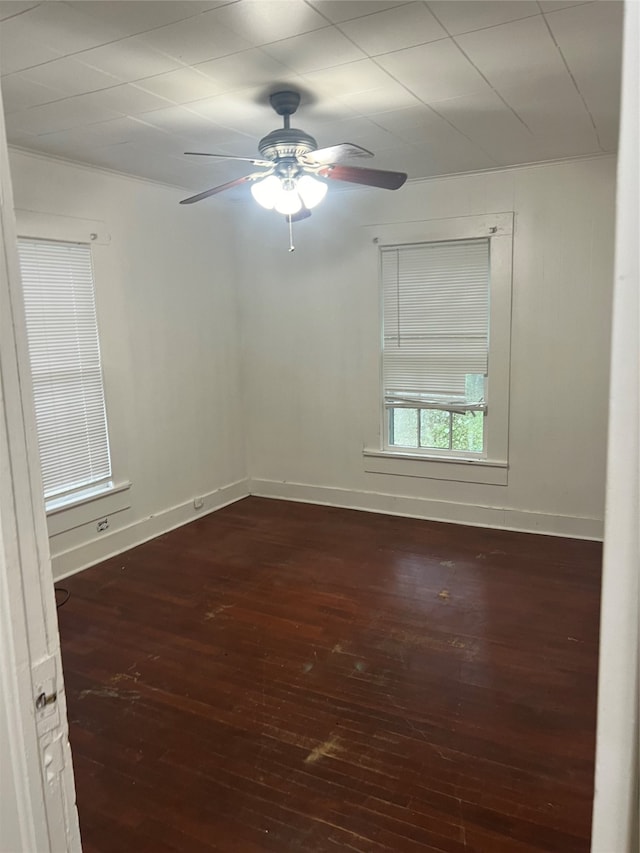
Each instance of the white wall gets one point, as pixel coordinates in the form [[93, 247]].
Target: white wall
[[616, 819], [167, 310], [311, 334], [167, 290]]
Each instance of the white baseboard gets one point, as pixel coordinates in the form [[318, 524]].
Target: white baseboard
[[122, 539], [475, 515]]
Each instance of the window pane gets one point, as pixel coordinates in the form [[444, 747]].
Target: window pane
[[467, 432], [403, 427], [435, 429]]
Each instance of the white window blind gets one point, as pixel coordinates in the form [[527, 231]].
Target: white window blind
[[436, 322], [62, 331]]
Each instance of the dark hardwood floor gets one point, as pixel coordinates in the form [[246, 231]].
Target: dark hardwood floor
[[283, 677]]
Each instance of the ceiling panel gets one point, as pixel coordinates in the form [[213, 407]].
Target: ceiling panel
[[244, 70], [20, 47], [128, 99], [363, 75], [584, 33], [63, 29], [463, 16], [9, 8], [557, 115], [19, 93], [60, 115], [264, 21], [394, 29], [431, 88], [434, 71], [346, 10], [487, 120], [129, 60], [313, 51], [242, 111], [555, 5], [139, 16], [391, 96], [69, 76], [196, 39], [514, 53], [182, 85]]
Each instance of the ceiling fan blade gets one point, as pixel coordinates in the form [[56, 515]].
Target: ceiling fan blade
[[338, 152], [370, 177], [230, 157], [218, 189]]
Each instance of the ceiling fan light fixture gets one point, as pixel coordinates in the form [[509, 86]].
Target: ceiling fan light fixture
[[311, 190], [267, 191], [288, 201]]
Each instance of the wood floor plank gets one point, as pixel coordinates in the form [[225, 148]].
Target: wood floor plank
[[283, 677]]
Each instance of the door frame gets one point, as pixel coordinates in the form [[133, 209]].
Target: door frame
[[38, 793]]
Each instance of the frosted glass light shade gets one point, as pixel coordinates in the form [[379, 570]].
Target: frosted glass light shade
[[288, 195], [266, 192], [311, 190], [288, 201]]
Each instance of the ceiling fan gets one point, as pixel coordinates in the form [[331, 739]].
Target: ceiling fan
[[293, 164]]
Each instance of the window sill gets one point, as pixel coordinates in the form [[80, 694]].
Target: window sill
[[86, 506], [487, 471]]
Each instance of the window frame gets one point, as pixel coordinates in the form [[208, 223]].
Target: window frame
[[492, 465], [68, 511]]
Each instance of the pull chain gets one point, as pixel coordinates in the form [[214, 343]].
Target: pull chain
[[292, 248]]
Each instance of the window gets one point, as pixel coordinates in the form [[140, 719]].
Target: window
[[62, 332], [436, 339], [445, 317]]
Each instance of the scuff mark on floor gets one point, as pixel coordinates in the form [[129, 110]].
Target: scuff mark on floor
[[444, 594], [131, 674], [211, 614], [337, 648], [109, 693], [448, 564], [326, 750]]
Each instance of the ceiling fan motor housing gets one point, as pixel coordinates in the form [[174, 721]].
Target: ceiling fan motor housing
[[286, 142]]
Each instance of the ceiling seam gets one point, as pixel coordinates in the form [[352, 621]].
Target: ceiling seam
[[407, 89], [472, 63], [117, 40], [22, 12], [573, 79]]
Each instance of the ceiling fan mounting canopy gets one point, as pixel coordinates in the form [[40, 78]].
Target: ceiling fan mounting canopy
[[285, 103]]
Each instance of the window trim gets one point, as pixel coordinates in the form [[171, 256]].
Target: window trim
[[492, 465]]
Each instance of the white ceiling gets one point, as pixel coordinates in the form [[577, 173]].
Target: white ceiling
[[431, 87]]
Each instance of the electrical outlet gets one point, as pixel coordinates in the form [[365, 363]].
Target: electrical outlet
[[198, 503], [102, 525]]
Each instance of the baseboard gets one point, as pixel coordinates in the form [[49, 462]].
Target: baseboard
[[475, 515], [122, 539]]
